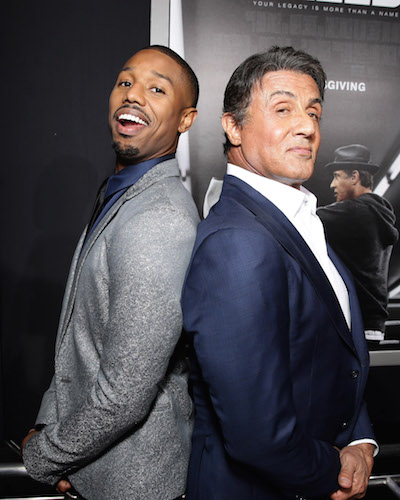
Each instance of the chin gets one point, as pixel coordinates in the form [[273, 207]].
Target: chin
[[126, 155], [300, 173], [298, 181]]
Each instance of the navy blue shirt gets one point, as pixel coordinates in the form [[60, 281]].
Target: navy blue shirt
[[118, 183]]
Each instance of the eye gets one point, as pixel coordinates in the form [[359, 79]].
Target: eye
[[125, 83], [314, 116], [157, 90]]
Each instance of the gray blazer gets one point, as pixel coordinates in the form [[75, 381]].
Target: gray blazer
[[118, 415]]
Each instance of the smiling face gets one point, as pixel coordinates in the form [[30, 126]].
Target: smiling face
[[149, 106], [280, 136]]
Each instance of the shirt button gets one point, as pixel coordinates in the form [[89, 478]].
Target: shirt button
[[355, 374]]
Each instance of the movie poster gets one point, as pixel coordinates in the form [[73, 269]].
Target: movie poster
[[358, 44]]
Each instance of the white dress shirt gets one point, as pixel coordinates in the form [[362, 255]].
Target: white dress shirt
[[299, 206]]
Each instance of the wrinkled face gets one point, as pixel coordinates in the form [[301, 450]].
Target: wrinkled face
[[342, 185], [149, 105], [280, 136]]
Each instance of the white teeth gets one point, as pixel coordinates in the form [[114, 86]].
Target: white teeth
[[132, 118]]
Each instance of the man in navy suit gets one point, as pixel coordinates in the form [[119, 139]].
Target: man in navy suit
[[279, 359]]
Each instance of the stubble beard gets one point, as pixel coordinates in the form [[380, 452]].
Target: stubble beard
[[126, 155]]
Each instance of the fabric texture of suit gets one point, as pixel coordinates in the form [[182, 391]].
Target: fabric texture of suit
[[118, 415], [278, 378]]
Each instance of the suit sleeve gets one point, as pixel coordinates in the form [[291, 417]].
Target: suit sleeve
[[47, 412], [236, 307], [362, 428], [146, 272]]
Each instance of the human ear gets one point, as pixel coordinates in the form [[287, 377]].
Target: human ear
[[355, 176], [232, 129], [187, 119]]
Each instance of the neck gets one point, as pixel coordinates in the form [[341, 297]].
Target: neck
[[157, 159], [235, 157], [361, 190]]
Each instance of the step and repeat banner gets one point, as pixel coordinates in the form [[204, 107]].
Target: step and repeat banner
[[358, 44]]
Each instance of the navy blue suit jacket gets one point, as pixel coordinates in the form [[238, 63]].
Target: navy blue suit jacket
[[278, 378]]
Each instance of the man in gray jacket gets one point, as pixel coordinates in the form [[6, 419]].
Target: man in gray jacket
[[116, 421]]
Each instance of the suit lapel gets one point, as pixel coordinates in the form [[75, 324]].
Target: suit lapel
[[286, 234], [78, 262], [168, 168]]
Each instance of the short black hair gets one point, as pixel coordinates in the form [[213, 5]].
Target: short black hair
[[250, 72], [366, 177], [192, 78]]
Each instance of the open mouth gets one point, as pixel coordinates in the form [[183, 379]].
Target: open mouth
[[127, 119], [129, 124]]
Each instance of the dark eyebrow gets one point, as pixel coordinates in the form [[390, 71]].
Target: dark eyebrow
[[316, 100], [283, 92], [155, 73]]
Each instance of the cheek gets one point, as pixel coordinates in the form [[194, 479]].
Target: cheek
[[274, 137], [112, 97], [165, 114], [112, 104], [263, 137], [167, 124], [317, 141]]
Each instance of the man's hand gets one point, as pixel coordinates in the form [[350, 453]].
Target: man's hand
[[26, 438], [357, 462], [63, 486]]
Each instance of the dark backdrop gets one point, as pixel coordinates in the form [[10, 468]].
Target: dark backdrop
[[59, 62]]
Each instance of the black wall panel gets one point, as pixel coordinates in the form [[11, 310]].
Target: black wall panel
[[59, 63]]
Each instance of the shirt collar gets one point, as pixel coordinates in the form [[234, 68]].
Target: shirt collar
[[288, 199], [131, 174]]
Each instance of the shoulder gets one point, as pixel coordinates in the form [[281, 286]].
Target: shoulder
[[376, 202], [346, 211], [234, 244], [338, 207], [164, 208], [157, 227], [235, 263], [236, 224]]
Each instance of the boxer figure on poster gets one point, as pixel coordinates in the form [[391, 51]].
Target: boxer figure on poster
[[360, 227]]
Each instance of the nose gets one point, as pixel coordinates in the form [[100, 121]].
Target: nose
[[305, 124], [333, 184], [135, 93]]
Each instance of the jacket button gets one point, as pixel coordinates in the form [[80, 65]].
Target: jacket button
[[345, 425], [355, 374]]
